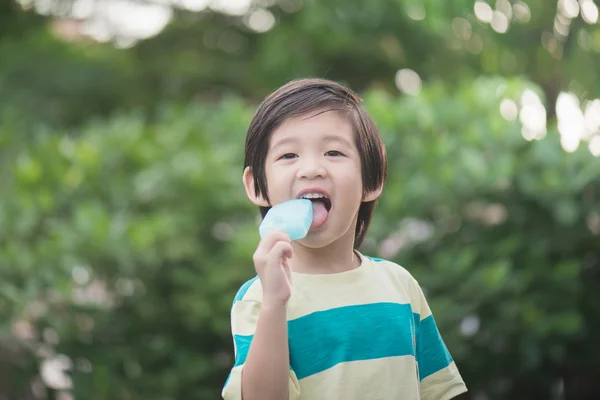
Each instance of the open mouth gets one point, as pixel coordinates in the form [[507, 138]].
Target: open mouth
[[318, 198], [321, 207]]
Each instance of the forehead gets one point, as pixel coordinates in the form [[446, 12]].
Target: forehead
[[314, 127]]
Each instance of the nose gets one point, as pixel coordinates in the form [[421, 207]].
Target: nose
[[311, 168]]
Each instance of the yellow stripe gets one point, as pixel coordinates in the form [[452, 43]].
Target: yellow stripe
[[370, 379]]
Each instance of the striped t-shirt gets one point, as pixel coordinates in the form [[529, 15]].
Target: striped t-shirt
[[364, 334]]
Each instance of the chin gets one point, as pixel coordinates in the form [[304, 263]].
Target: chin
[[321, 238], [314, 242]]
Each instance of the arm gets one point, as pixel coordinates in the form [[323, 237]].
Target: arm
[[265, 374], [245, 315]]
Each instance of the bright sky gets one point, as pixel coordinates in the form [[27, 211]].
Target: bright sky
[[138, 20]]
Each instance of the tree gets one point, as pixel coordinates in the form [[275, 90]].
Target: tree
[[126, 232], [125, 243]]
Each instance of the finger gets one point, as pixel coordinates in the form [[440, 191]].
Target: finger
[[287, 269], [262, 254], [280, 252], [271, 238]]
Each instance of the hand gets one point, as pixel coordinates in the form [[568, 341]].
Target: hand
[[271, 264]]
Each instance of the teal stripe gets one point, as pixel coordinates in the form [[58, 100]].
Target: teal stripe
[[242, 292], [416, 328], [227, 380], [323, 339], [242, 346], [242, 343], [375, 259], [432, 353]]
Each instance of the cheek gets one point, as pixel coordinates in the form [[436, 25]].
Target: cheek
[[353, 184], [277, 181]]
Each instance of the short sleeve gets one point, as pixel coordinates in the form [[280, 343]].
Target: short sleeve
[[244, 317], [438, 374]]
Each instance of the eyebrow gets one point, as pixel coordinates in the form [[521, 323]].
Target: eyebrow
[[282, 142], [328, 138], [336, 138]]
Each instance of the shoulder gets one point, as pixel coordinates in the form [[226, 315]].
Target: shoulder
[[246, 308], [251, 290], [400, 278], [393, 269]]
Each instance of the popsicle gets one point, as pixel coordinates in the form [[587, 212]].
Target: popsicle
[[293, 217]]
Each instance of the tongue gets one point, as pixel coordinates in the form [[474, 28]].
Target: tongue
[[320, 214]]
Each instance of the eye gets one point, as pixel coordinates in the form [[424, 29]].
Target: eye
[[288, 156], [333, 153]]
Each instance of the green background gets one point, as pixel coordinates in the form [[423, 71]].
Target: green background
[[125, 231]]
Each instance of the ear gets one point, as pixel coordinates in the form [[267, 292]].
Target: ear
[[255, 198], [373, 195]]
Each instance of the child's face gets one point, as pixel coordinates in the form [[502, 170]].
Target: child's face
[[318, 154]]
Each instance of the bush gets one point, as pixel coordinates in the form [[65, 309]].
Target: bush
[[123, 243]]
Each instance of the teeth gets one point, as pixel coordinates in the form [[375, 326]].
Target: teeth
[[313, 196]]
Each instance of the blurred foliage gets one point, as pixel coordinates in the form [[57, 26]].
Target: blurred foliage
[[128, 240], [205, 54], [118, 241], [125, 230]]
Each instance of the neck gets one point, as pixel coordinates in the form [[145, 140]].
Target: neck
[[338, 256]]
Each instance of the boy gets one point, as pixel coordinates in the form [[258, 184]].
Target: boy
[[320, 320]]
